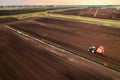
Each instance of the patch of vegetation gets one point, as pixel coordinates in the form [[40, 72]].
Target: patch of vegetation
[[34, 14], [96, 21], [26, 15]]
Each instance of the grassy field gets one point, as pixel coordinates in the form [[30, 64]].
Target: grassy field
[[96, 21], [35, 14], [21, 16]]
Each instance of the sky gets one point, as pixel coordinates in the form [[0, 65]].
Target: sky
[[59, 2]]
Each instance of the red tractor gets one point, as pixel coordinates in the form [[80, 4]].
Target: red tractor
[[98, 50]]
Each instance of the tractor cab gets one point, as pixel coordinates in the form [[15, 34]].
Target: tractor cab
[[92, 49]]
